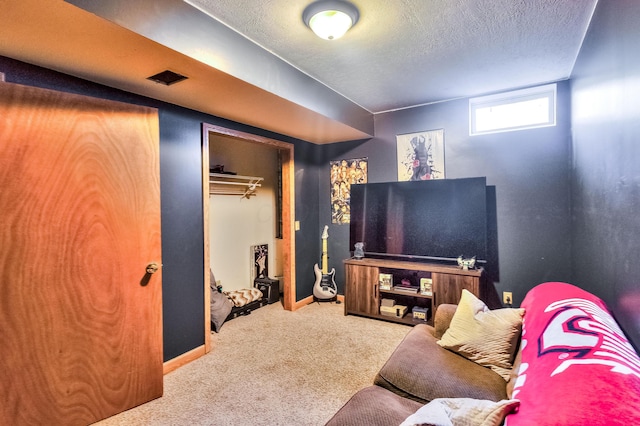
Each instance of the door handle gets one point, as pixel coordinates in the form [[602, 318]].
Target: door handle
[[152, 268]]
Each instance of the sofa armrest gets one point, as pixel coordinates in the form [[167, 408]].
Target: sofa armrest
[[442, 318]]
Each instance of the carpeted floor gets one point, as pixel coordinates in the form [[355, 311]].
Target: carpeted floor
[[274, 367]]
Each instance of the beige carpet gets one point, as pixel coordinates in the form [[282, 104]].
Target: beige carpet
[[274, 367]]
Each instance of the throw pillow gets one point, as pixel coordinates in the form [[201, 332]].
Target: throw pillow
[[487, 337], [244, 296], [462, 411]]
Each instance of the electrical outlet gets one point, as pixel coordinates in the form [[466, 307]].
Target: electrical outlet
[[297, 225], [507, 297]]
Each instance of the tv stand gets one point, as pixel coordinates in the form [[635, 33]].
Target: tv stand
[[363, 296]]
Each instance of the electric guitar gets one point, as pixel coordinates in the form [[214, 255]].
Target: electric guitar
[[325, 286]]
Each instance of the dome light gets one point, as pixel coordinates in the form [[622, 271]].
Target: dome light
[[330, 19]]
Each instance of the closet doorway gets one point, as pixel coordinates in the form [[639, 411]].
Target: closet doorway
[[284, 194]]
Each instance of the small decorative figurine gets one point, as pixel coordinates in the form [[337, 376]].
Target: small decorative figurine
[[359, 251], [466, 264]]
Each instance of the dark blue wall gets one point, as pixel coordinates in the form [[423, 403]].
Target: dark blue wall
[[306, 158], [605, 91], [181, 198], [564, 211], [528, 170]]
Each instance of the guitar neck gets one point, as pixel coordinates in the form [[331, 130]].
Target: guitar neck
[[325, 258]]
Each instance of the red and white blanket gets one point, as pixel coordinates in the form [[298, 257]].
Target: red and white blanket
[[578, 368]]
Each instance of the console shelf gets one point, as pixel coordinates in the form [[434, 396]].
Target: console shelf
[[363, 295]]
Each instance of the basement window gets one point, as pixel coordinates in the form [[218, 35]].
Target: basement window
[[515, 110]]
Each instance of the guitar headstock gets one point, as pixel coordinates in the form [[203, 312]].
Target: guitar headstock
[[325, 233]]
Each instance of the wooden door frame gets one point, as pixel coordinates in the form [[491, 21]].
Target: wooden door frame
[[288, 216]]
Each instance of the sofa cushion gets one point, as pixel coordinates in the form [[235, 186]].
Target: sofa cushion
[[442, 318], [487, 337], [373, 406], [421, 370], [578, 368], [462, 411]]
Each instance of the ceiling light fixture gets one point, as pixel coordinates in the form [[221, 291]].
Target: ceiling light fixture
[[330, 19]]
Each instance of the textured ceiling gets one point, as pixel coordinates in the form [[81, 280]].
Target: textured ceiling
[[401, 53], [404, 53]]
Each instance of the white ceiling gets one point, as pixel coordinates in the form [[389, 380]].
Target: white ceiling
[[404, 53]]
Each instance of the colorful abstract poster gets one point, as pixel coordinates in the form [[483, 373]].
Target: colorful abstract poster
[[345, 173], [421, 155]]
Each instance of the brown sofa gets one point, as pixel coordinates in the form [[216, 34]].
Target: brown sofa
[[574, 366], [418, 371]]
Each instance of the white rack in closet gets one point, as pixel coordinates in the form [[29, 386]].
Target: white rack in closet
[[228, 184]]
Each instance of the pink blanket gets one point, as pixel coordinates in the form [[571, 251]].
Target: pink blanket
[[578, 368]]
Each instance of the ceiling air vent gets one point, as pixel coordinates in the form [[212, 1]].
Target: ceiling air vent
[[167, 77]]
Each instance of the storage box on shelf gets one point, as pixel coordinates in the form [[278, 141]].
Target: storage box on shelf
[[396, 311]]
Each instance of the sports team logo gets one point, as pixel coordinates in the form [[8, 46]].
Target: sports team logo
[[582, 333]]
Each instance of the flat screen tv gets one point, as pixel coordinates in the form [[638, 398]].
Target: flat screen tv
[[431, 220]]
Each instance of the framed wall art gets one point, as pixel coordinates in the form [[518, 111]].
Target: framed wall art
[[345, 173], [260, 258], [421, 155]]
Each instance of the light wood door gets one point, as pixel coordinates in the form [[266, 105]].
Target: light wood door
[[80, 319]]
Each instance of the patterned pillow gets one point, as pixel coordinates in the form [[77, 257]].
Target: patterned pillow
[[244, 296], [487, 337]]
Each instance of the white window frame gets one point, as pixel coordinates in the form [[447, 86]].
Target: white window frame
[[548, 92]]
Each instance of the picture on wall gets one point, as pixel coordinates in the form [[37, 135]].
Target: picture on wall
[[421, 155], [345, 173], [260, 257]]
